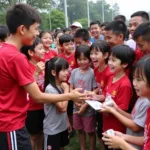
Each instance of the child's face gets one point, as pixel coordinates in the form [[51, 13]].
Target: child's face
[[97, 58], [63, 75], [95, 30], [29, 35], [141, 86], [144, 46], [79, 41], [38, 53], [47, 40], [113, 39], [115, 64], [83, 62], [68, 47]]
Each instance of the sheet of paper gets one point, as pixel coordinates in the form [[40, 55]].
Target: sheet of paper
[[94, 104]]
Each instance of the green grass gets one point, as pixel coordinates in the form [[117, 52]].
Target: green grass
[[74, 144]]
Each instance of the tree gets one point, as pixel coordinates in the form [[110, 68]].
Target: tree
[[57, 19], [96, 10], [115, 10], [76, 9]]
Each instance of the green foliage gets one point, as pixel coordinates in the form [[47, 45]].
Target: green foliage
[[52, 20], [77, 9], [2, 17], [57, 19]]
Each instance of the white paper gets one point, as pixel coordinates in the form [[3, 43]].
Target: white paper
[[94, 104]]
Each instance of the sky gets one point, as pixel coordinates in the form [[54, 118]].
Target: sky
[[127, 7]]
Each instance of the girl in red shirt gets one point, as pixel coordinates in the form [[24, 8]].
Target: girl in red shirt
[[47, 41]]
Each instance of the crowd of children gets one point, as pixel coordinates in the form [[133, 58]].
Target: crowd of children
[[46, 78]]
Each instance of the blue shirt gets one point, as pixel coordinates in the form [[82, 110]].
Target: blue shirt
[[92, 40]]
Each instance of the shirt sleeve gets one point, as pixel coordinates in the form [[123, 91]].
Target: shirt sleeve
[[124, 96], [140, 117], [51, 90], [20, 70]]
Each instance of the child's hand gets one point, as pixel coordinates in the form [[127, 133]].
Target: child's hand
[[119, 134], [92, 95], [65, 86], [108, 109], [82, 109], [40, 67], [112, 141], [76, 96]]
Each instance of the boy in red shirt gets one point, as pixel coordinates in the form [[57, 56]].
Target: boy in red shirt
[[17, 79], [118, 86], [66, 42], [35, 116]]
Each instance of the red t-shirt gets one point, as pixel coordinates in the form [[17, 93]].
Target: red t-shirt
[[147, 131], [48, 55], [71, 61], [40, 82], [121, 93], [138, 55], [14, 74], [102, 78]]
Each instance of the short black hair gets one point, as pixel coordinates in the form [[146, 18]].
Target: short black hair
[[142, 14], [66, 29], [25, 49], [3, 32], [21, 14], [65, 38], [101, 46], [85, 49], [142, 30], [104, 24], [141, 68], [95, 22], [120, 17], [82, 33], [124, 53], [117, 27]]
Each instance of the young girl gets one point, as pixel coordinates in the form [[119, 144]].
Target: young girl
[[47, 41], [99, 53], [84, 116], [55, 124], [141, 83], [35, 115]]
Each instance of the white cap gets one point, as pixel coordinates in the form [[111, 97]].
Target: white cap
[[76, 24]]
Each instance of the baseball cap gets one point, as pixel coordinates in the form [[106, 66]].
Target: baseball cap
[[76, 24]]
